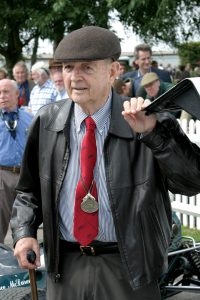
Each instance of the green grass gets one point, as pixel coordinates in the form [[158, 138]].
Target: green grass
[[191, 232]]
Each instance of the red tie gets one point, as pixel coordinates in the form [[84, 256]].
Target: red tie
[[86, 223], [22, 100]]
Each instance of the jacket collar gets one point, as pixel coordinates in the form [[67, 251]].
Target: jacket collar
[[62, 111], [59, 115]]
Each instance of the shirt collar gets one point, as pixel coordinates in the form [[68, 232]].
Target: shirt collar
[[23, 84], [14, 110], [140, 75], [101, 117]]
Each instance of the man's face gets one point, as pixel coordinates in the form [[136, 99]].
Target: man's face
[[2, 75], [89, 83], [20, 74], [8, 95], [58, 81], [122, 69], [152, 89], [144, 60], [36, 76]]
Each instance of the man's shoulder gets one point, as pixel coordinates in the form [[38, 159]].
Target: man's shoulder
[[54, 110], [25, 119], [164, 75], [51, 107], [131, 74], [49, 88], [54, 116], [23, 113], [35, 89], [49, 83], [31, 84], [165, 86]]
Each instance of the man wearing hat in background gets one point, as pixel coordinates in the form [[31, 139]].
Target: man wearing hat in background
[[54, 66], [56, 75], [101, 188], [152, 87]]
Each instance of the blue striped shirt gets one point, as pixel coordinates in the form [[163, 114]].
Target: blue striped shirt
[[67, 195], [11, 150]]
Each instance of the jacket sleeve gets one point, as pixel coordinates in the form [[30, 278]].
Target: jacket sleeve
[[27, 211], [177, 156]]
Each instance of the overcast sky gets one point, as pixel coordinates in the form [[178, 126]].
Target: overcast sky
[[129, 40]]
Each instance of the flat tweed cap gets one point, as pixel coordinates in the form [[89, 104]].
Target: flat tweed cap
[[87, 44], [149, 78]]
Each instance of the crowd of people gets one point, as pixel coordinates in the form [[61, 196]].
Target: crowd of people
[[148, 79], [46, 80], [41, 85], [94, 169], [44, 84], [20, 99]]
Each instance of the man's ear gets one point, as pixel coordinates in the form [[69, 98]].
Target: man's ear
[[114, 71]]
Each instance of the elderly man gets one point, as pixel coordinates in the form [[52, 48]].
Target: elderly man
[[44, 91], [57, 78], [152, 87], [25, 85], [96, 172], [14, 123], [54, 66]]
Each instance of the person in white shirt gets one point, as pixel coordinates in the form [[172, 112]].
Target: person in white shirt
[[44, 91]]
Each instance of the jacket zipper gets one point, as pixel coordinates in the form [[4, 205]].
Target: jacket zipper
[[61, 177]]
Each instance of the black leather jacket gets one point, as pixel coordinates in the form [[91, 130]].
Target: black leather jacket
[[139, 171]]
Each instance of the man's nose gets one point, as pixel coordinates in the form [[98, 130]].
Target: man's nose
[[76, 73]]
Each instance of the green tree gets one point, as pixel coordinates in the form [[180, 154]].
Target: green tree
[[17, 23], [160, 20], [189, 53], [23, 22], [70, 15]]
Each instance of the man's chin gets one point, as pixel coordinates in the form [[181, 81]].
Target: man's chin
[[79, 96], [79, 99]]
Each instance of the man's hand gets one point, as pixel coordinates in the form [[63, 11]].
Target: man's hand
[[133, 113], [21, 248]]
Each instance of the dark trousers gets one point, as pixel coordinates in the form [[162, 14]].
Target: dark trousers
[[95, 278], [8, 181]]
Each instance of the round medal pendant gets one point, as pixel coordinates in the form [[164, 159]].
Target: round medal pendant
[[89, 204]]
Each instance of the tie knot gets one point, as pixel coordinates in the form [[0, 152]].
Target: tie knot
[[90, 123], [10, 116]]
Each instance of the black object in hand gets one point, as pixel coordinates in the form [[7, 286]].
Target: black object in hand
[[31, 256]]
